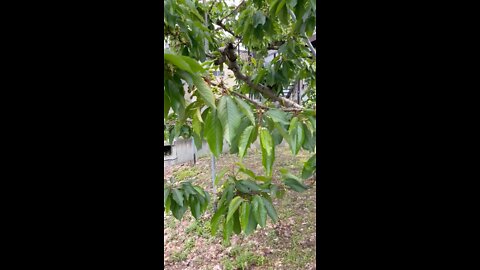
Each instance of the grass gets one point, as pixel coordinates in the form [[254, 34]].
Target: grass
[[287, 244], [186, 173], [242, 258], [183, 254]]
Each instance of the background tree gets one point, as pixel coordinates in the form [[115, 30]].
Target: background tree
[[205, 37]]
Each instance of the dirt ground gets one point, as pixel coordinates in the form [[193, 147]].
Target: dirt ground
[[288, 244]]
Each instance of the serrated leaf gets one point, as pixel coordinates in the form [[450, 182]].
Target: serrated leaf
[[237, 228], [268, 150], [244, 215], [246, 139], [166, 192], [270, 209], [214, 133], [278, 116], [197, 122], [230, 117], [259, 211], [168, 203], [214, 222], [309, 167], [295, 185], [263, 178], [227, 229], [246, 109], [283, 132], [309, 142], [188, 189], [178, 196], [234, 204], [178, 61], [296, 134], [203, 91], [247, 185], [195, 207], [194, 65], [177, 210], [252, 223], [227, 194], [247, 172]]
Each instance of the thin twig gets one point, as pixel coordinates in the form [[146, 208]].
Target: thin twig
[[220, 23], [229, 56], [243, 2]]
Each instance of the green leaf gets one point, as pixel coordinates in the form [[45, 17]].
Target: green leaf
[[197, 122], [203, 91], [283, 15], [220, 175], [295, 185], [263, 178], [259, 211], [247, 186], [284, 133], [188, 189], [309, 167], [186, 77], [168, 203], [278, 116], [227, 194], [310, 140], [246, 139], [296, 134], [246, 109], [178, 61], [177, 210], [227, 229], [194, 65], [230, 117], [268, 150], [247, 172], [236, 223], [214, 133], [244, 214], [178, 196], [195, 207], [166, 192], [280, 6], [270, 209], [214, 222], [258, 19], [234, 204], [252, 223]]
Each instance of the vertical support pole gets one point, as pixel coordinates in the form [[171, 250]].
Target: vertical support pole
[[298, 92], [194, 151], [212, 168]]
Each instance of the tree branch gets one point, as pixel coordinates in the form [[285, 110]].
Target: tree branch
[[233, 11], [257, 104], [229, 57], [220, 23]]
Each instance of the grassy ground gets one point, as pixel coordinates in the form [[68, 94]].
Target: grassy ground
[[288, 244]]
